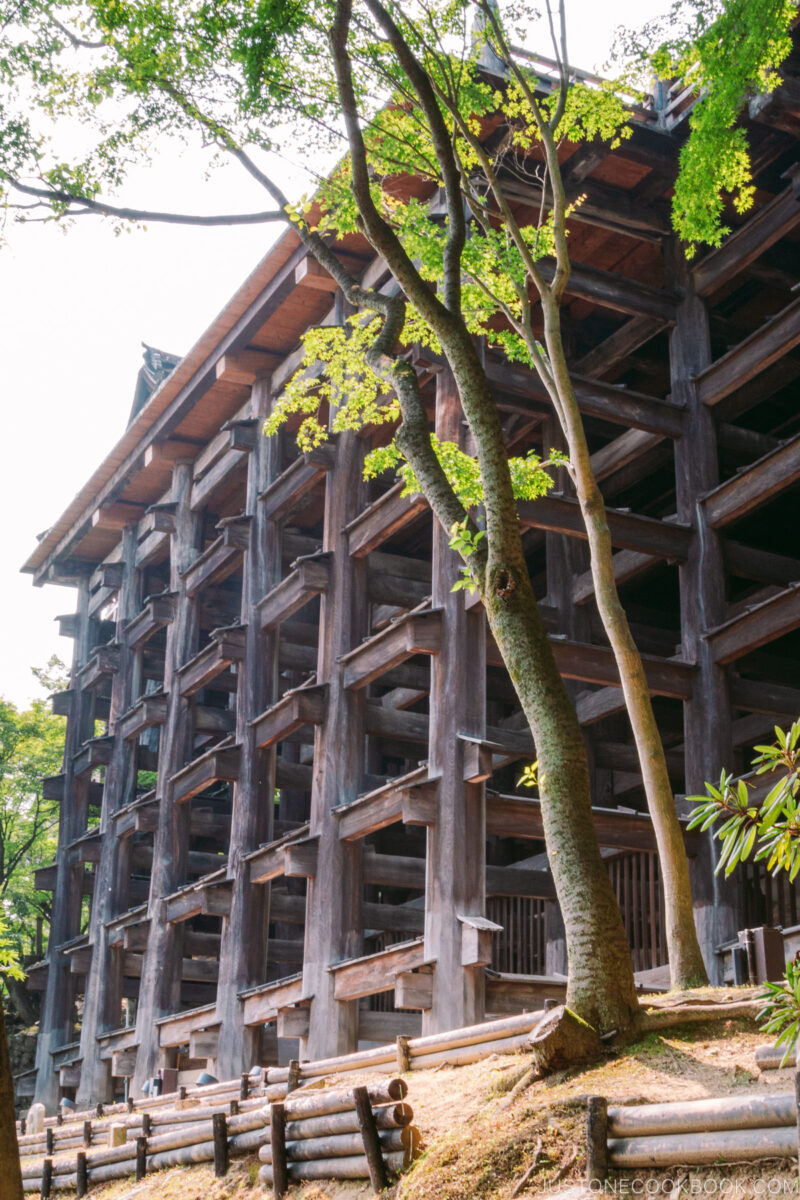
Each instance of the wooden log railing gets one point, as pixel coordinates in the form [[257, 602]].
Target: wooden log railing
[[688, 1133]]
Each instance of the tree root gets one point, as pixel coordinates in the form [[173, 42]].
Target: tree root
[[520, 1184]]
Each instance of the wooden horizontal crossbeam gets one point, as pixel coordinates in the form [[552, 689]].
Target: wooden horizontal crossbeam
[[383, 519], [157, 612], [221, 558], [756, 485], [227, 646], [412, 799], [175, 1030], [375, 973], [303, 706], [289, 489], [310, 578], [262, 1004], [514, 816], [94, 753], [149, 711], [767, 226], [561, 514], [103, 663], [772, 341], [415, 633], [760, 624], [221, 764]]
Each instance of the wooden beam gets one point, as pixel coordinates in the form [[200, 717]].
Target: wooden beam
[[409, 799], [375, 973], [772, 341], [219, 764], [773, 699], [760, 624], [227, 646], [283, 496], [245, 366], [156, 613], [310, 578], [765, 227], [149, 711], [303, 706], [416, 633], [557, 513], [756, 485], [221, 558], [263, 1003], [383, 519], [513, 816], [632, 334]]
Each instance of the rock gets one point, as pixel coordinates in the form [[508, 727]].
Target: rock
[[34, 1122]]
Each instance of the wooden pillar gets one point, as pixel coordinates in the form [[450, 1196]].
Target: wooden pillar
[[244, 933], [55, 1026], [707, 715], [333, 923], [159, 987], [103, 994], [455, 879]]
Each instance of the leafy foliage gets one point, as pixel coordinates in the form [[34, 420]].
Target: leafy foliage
[[726, 52], [31, 747], [771, 828]]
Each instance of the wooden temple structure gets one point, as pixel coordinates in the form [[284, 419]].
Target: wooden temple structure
[[290, 814]]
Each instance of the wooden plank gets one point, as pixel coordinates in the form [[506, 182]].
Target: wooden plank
[[219, 764], [754, 354], [157, 612], [176, 1029], [406, 799], [508, 994], [612, 290], [773, 699], [268, 861], [221, 558], [415, 633], [300, 858], [762, 623], [149, 711], [382, 520], [756, 485], [285, 494], [513, 816], [561, 514], [94, 753], [103, 663], [742, 247], [262, 1004], [375, 972], [226, 647], [244, 367], [116, 515], [309, 579], [519, 390], [304, 706]]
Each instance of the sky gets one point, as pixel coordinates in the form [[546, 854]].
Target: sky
[[75, 306]]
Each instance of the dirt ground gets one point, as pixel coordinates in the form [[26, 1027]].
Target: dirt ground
[[478, 1146]]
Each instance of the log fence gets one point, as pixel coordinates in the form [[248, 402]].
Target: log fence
[[688, 1133]]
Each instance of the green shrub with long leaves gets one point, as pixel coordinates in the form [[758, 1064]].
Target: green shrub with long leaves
[[767, 829]]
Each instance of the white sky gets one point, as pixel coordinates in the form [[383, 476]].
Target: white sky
[[74, 309]]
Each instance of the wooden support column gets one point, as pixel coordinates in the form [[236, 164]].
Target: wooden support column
[[707, 714], [55, 1026], [244, 933], [455, 876], [333, 907], [159, 988], [103, 995]]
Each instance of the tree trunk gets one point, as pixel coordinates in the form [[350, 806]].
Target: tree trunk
[[687, 968], [9, 1153], [600, 984], [21, 1001]]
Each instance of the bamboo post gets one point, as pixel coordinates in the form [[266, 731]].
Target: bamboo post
[[369, 1135], [49, 1139], [293, 1081], [81, 1175], [403, 1056], [219, 1125], [244, 1089], [596, 1141], [141, 1158], [277, 1131], [87, 1133], [47, 1178]]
